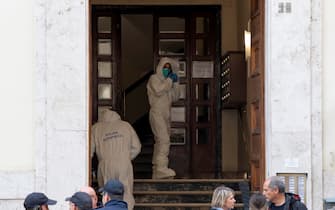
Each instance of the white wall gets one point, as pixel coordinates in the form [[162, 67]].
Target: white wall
[[16, 86], [16, 92], [328, 97], [293, 93], [44, 92]]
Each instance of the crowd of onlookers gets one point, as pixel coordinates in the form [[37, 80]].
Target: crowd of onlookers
[[274, 197], [85, 199]]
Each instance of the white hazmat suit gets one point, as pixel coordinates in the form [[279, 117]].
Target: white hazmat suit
[[162, 92], [116, 144]]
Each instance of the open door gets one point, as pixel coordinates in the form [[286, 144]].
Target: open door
[[255, 96], [190, 34], [106, 91]]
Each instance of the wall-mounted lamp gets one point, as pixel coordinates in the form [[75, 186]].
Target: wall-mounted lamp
[[247, 44]]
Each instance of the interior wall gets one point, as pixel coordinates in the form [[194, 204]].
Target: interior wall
[[229, 26], [137, 60], [137, 47], [243, 16], [230, 134], [235, 16]]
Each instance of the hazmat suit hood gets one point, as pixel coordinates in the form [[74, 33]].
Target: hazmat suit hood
[[109, 116], [174, 65]]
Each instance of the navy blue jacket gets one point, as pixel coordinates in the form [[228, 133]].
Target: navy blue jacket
[[115, 205]]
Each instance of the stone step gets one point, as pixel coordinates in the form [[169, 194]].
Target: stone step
[[184, 184], [189, 180], [181, 194], [237, 205], [177, 196], [178, 206], [178, 192]]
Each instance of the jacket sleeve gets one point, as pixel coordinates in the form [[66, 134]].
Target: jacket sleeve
[[135, 143], [159, 87]]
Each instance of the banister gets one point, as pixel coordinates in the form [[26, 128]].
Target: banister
[[138, 82]]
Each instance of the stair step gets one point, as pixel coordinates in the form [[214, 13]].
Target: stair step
[[146, 150], [209, 192], [142, 159], [179, 205], [177, 197], [184, 184], [190, 180]]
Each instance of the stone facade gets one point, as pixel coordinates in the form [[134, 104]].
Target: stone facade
[[293, 93], [293, 101]]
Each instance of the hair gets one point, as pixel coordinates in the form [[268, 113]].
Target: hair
[[276, 182], [220, 195], [257, 202]]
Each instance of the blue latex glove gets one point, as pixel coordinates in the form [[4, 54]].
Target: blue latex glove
[[174, 77]]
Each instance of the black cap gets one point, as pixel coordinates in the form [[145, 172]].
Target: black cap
[[113, 187], [37, 199], [82, 200]]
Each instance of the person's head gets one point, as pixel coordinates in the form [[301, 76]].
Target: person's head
[[80, 201], [223, 197], [167, 69], [170, 65], [257, 202], [273, 188], [37, 201], [91, 192], [113, 189]]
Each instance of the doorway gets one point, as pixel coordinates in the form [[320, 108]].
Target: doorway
[[127, 45], [194, 39]]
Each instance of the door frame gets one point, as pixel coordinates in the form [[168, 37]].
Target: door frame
[[140, 7]]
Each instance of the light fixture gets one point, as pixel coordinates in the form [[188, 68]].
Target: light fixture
[[247, 44]]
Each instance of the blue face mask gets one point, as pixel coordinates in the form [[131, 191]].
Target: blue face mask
[[165, 72]]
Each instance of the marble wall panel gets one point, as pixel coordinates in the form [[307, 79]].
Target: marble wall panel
[[66, 52], [67, 164], [16, 204], [292, 97]]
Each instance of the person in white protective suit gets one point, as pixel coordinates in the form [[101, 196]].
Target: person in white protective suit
[[162, 89], [116, 144]]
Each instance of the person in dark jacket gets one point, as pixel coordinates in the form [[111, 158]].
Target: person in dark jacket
[[274, 191], [38, 201], [112, 196], [80, 201]]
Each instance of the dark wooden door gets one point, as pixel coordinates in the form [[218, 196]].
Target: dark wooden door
[[106, 91], [255, 96], [191, 37]]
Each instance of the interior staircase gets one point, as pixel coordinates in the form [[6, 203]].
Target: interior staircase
[[184, 194], [142, 165], [176, 194]]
